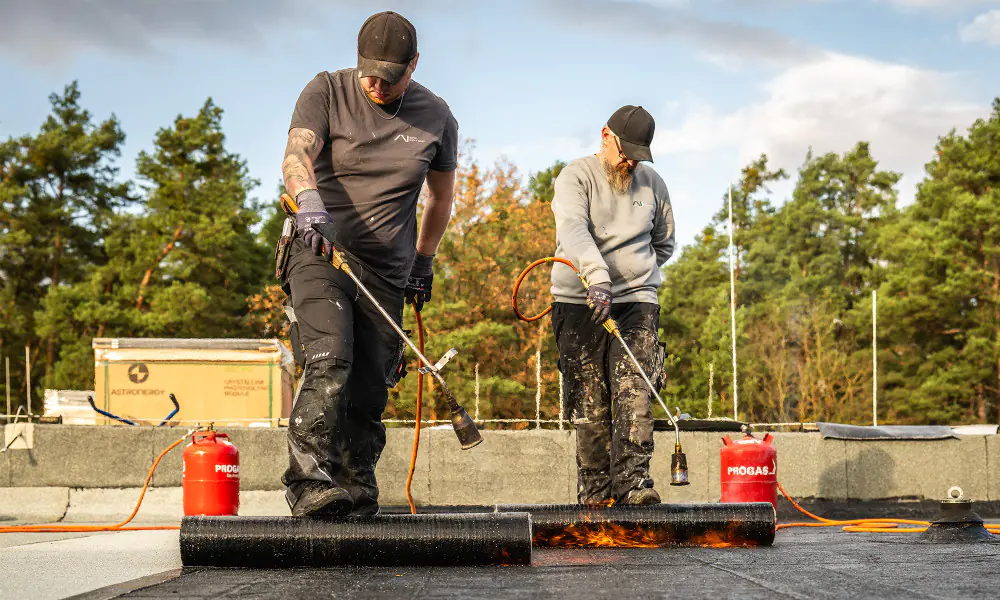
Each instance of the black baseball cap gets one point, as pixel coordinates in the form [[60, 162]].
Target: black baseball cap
[[387, 43], [634, 128]]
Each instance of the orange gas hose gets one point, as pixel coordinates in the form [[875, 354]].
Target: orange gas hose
[[864, 525], [524, 273], [416, 428], [116, 527]]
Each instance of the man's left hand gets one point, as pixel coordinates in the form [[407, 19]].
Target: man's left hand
[[418, 286]]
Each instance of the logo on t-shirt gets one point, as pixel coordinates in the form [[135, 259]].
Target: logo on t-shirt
[[406, 138]]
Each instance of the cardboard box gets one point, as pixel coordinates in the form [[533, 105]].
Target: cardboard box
[[72, 406], [228, 382]]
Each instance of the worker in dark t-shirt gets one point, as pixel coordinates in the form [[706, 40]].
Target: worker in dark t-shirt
[[361, 144]]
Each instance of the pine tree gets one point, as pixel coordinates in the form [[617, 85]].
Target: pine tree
[[185, 266], [942, 288], [59, 191]]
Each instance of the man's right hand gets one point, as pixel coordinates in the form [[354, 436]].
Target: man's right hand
[[312, 211], [599, 300]]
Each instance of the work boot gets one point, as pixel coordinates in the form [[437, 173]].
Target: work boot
[[643, 496], [320, 500]]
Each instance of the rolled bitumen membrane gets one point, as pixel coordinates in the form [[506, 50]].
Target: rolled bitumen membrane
[[730, 524], [650, 526], [383, 540]]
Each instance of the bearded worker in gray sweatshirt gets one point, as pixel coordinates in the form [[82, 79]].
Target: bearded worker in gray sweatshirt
[[615, 223]]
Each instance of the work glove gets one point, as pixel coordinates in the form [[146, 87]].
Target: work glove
[[418, 285], [599, 300], [311, 212]]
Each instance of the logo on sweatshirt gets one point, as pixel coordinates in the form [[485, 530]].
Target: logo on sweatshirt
[[637, 203], [407, 138]]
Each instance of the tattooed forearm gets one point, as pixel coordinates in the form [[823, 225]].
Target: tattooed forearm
[[300, 154]]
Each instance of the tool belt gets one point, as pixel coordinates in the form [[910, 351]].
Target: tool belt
[[397, 368], [283, 249], [659, 377]]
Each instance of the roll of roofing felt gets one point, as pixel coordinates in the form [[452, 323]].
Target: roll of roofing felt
[[717, 525], [397, 540]]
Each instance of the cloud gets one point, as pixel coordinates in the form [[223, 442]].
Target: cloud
[[950, 4], [726, 41], [985, 28], [46, 32], [830, 104], [42, 32]]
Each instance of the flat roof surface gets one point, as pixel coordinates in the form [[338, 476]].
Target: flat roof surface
[[803, 563]]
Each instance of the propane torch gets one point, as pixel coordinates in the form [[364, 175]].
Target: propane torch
[[466, 430], [678, 461]]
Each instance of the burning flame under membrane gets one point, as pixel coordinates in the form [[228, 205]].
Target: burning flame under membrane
[[612, 534]]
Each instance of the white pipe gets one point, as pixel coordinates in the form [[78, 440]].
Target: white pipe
[[538, 389], [477, 393], [711, 381], [732, 298], [561, 392], [27, 368], [874, 363]]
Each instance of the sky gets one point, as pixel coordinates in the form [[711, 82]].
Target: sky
[[533, 82]]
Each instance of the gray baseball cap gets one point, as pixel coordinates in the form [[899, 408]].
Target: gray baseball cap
[[387, 43]]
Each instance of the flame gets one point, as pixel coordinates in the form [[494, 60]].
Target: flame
[[602, 535], [719, 539], [608, 534]]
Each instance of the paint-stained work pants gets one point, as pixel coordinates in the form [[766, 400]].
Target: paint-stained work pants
[[352, 357], [606, 398]]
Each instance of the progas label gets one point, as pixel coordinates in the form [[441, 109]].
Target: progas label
[[758, 470]]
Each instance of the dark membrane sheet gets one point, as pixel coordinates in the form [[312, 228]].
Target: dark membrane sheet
[[838, 431], [383, 540], [718, 525]]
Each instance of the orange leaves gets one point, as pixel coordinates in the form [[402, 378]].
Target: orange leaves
[[266, 316]]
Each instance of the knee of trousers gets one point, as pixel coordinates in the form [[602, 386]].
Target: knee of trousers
[[329, 347], [593, 445], [634, 415], [317, 399]]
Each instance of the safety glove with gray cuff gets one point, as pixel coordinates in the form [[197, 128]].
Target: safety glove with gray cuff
[[418, 285], [599, 300], [312, 211]]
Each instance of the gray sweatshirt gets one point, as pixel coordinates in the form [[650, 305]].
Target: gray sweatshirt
[[623, 239]]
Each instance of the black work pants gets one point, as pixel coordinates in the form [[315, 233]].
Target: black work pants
[[606, 398], [352, 356]]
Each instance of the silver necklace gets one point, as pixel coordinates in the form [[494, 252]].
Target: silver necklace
[[377, 111]]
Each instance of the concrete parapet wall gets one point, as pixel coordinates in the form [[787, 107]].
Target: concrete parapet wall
[[533, 466]]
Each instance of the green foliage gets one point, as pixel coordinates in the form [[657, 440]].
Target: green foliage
[[942, 288], [542, 185], [58, 196], [183, 266]]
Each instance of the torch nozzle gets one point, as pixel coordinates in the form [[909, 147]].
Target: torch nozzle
[[678, 467], [465, 428]]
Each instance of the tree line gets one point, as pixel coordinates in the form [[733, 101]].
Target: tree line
[[185, 250]]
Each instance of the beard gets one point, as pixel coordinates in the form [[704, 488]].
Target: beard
[[619, 176]]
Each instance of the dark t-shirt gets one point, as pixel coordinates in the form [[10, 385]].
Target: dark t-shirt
[[372, 168]]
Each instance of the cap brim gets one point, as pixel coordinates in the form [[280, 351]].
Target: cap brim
[[635, 151], [389, 71]]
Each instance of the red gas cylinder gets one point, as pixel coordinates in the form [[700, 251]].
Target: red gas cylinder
[[749, 470], [211, 475]]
